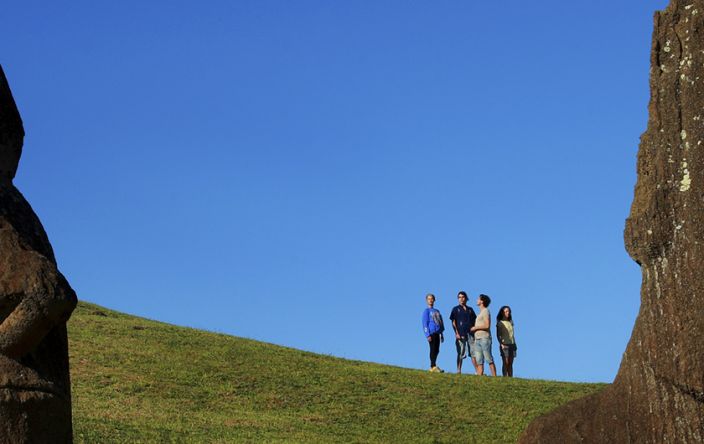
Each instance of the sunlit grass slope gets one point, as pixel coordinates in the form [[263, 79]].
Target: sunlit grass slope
[[136, 380]]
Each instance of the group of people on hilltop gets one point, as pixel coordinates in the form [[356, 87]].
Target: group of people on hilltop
[[472, 334]]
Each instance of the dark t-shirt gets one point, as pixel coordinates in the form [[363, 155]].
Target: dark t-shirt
[[464, 319]]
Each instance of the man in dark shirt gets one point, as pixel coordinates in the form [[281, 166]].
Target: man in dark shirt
[[463, 318]]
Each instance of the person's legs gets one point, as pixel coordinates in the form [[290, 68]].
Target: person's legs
[[505, 353], [511, 355], [458, 347], [489, 357], [462, 348], [483, 346], [472, 346], [479, 356], [434, 349]]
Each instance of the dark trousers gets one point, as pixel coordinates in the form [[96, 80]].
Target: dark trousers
[[434, 348]]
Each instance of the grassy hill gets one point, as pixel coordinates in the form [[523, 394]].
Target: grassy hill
[[136, 380]]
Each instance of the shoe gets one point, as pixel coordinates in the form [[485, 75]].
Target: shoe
[[436, 370]]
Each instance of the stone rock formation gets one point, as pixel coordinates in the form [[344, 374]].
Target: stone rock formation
[[35, 303], [658, 393]]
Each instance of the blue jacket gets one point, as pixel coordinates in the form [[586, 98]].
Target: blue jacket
[[432, 322]]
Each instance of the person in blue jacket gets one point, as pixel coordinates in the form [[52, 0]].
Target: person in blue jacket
[[433, 328]]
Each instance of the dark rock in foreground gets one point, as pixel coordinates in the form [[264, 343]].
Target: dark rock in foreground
[[35, 303], [658, 394]]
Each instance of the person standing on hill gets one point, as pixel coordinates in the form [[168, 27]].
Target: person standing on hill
[[433, 328], [482, 336], [463, 318], [504, 331]]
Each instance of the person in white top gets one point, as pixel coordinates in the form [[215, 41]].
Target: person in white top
[[482, 336]]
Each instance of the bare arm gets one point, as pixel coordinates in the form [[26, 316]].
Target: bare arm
[[454, 327]]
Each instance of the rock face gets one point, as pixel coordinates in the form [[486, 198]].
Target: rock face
[[658, 394], [35, 303]]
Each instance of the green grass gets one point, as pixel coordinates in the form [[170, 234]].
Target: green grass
[[138, 381]]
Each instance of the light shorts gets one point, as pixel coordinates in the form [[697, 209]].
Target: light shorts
[[462, 347], [470, 342], [465, 347], [482, 351]]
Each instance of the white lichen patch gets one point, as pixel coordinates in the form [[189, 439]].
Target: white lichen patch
[[667, 47], [688, 7], [686, 60], [650, 231], [686, 181], [683, 134]]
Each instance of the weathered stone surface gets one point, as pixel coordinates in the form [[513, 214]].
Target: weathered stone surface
[[658, 394], [35, 303]]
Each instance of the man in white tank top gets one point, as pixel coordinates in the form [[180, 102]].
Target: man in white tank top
[[482, 336]]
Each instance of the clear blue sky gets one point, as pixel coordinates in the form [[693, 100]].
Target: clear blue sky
[[303, 172]]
